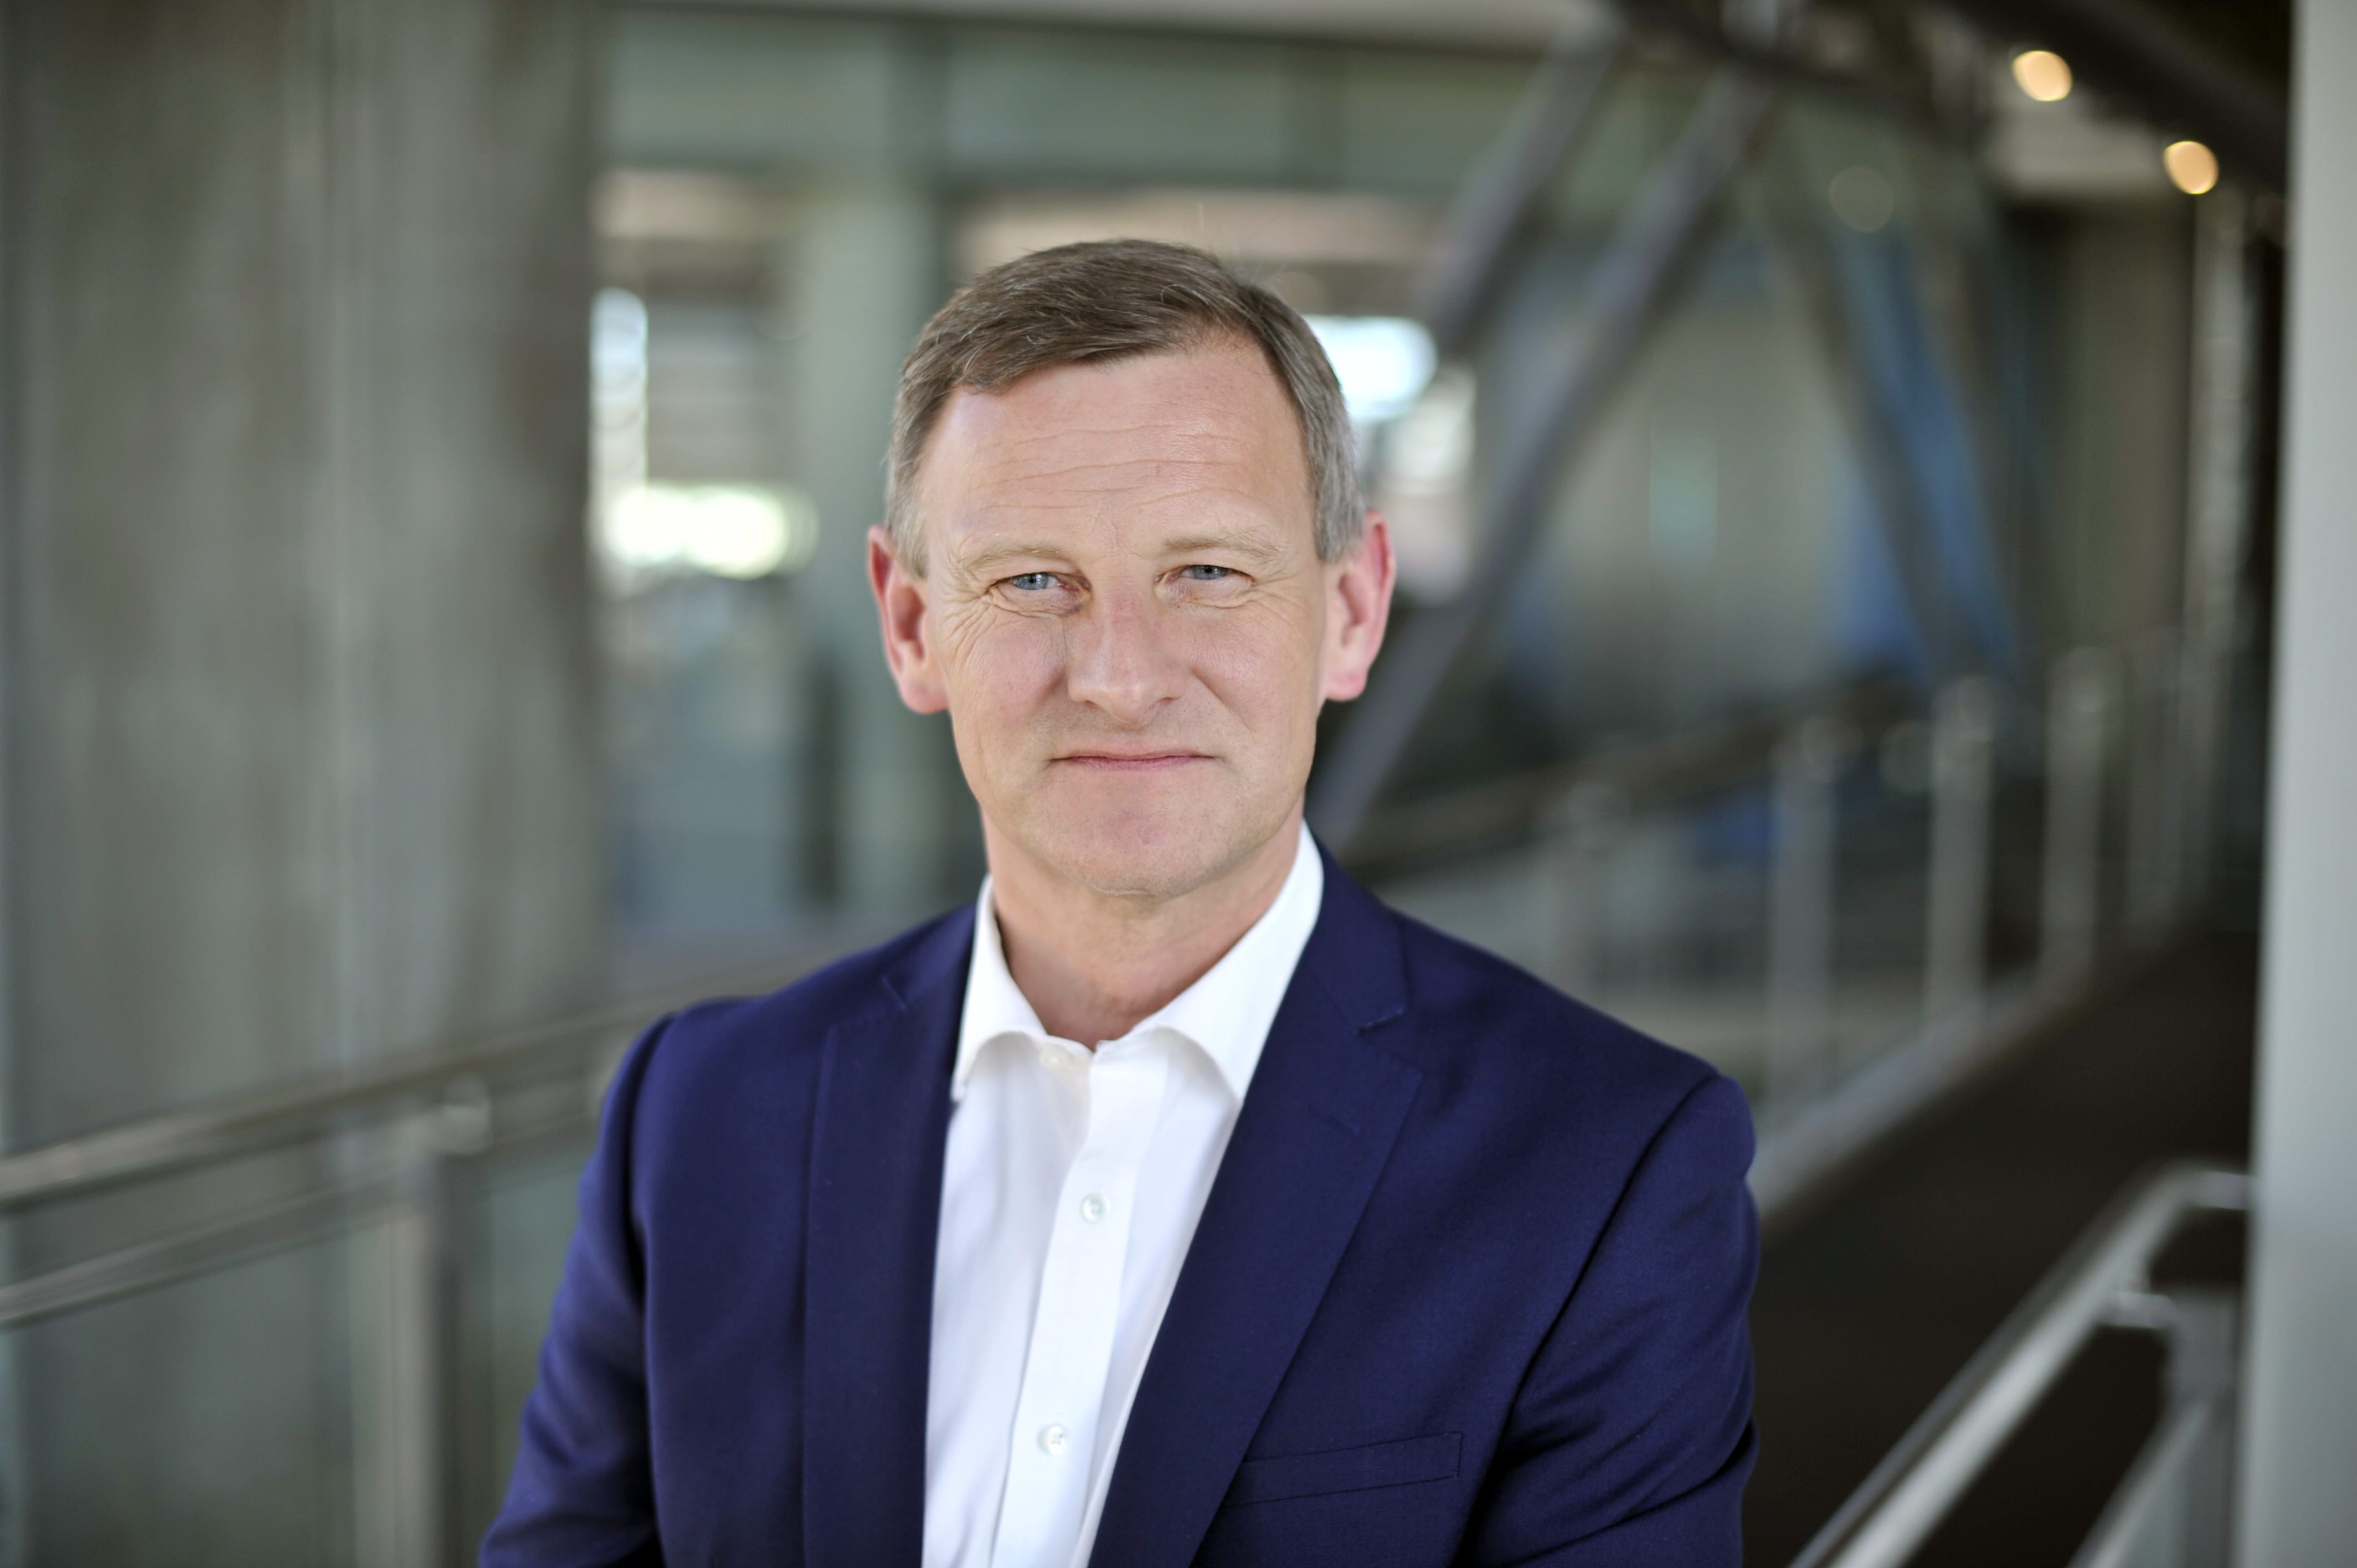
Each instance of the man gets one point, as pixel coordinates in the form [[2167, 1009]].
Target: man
[[1176, 1202]]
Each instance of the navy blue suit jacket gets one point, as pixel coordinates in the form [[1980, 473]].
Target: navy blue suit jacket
[[1469, 1288]]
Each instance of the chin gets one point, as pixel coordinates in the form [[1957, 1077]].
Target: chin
[[1152, 848]]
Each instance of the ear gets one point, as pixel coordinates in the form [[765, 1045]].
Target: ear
[[900, 605], [1358, 607]]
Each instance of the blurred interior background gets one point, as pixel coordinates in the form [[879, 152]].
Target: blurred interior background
[[1834, 453]]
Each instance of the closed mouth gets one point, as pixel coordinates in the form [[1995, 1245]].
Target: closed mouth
[[1132, 762]]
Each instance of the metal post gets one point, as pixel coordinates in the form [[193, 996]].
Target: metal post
[[1963, 729], [424, 1324], [2078, 719], [1800, 903], [1577, 842], [2175, 1506], [2156, 790], [2218, 483], [2204, 1363]]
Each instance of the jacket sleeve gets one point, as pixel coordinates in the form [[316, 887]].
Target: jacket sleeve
[[1631, 1437], [583, 1490]]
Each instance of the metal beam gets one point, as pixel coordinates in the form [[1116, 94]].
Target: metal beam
[[1492, 212], [1879, 93], [1806, 251], [1658, 236]]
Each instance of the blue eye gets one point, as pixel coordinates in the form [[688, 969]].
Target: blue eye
[[1032, 582], [1203, 573]]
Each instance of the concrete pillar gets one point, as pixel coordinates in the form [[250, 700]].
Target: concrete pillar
[[2300, 1410], [299, 721], [866, 271]]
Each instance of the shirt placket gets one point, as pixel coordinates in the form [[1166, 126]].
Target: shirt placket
[[1057, 1414]]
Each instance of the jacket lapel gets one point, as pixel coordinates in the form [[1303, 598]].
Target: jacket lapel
[[880, 1128], [1318, 1126]]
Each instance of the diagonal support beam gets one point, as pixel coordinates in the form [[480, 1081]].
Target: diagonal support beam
[[1491, 213], [1802, 246], [1658, 236]]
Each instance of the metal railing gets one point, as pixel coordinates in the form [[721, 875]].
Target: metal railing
[[1404, 836], [402, 1146], [1828, 1079], [2103, 1281], [449, 1079]]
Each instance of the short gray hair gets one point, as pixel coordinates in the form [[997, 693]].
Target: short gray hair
[[1113, 299]]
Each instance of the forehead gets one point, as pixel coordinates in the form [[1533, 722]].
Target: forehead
[[1160, 439]]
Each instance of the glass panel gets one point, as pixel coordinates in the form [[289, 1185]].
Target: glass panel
[[252, 1413], [1881, 880], [205, 1423], [520, 1226]]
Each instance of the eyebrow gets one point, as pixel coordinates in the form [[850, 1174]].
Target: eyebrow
[[993, 556], [1249, 545]]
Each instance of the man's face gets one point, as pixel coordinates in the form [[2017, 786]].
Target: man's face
[[1124, 611]]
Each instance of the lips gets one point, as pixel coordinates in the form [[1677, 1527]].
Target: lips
[[1128, 762]]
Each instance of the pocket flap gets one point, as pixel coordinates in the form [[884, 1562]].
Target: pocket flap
[[1397, 1464]]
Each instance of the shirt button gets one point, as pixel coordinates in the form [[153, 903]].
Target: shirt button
[[1049, 1056], [1092, 1208], [1052, 1439]]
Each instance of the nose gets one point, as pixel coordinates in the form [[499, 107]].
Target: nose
[[1121, 660]]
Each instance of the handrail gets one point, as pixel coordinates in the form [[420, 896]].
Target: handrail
[[1471, 817], [197, 1250], [273, 1115], [1904, 1499]]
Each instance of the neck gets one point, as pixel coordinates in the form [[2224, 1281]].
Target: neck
[[1093, 965]]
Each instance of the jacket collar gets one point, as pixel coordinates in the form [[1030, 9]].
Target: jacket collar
[[878, 1128], [1326, 1106]]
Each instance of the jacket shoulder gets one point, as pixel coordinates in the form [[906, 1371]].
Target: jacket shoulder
[[717, 1044], [1476, 1017]]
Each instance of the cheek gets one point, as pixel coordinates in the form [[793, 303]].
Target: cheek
[[1261, 663], [1003, 666]]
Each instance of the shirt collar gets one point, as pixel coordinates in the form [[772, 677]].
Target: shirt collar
[[1226, 1014]]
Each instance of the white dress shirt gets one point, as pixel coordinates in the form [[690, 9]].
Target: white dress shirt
[[1071, 1185]]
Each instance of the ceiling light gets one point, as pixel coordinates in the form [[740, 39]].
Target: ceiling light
[[2193, 167], [2042, 75]]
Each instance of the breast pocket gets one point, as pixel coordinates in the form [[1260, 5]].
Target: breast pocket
[[1399, 1463]]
